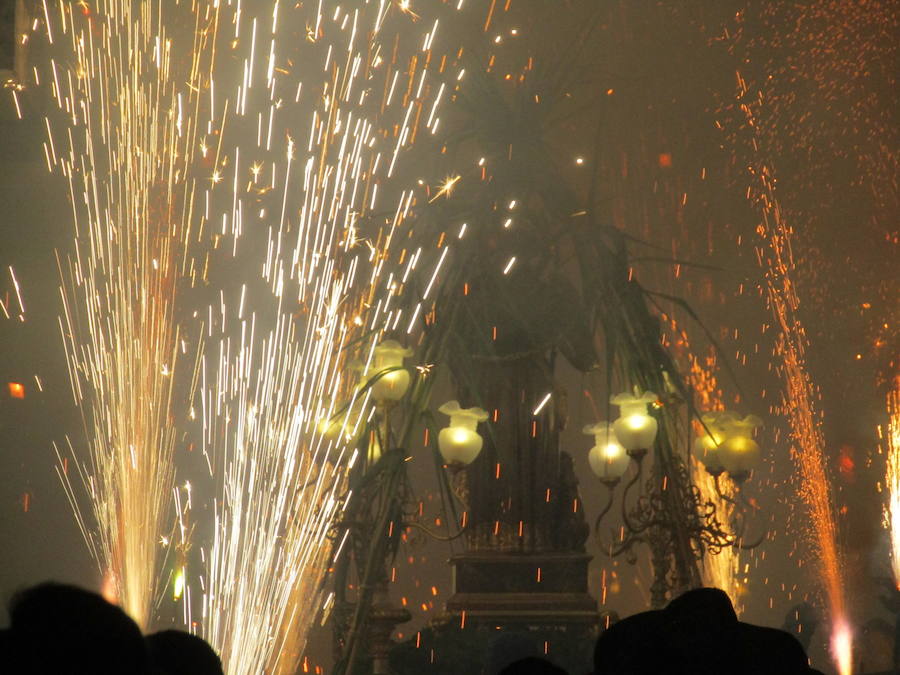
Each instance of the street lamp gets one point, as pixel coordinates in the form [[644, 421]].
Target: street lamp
[[635, 428], [608, 458], [459, 442], [670, 514], [709, 440], [390, 379], [740, 454], [725, 444]]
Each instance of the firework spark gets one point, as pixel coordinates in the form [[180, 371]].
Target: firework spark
[[892, 480], [155, 155], [800, 392], [126, 91], [329, 275], [721, 569]]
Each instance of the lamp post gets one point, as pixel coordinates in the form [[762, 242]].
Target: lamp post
[[669, 515], [376, 508], [608, 458], [390, 380], [635, 428], [459, 442]]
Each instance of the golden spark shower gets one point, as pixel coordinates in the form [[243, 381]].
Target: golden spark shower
[[358, 336], [124, 138], [189, 133]]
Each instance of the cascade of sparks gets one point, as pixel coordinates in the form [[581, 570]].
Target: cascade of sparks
[[800, 392], [126, 91], [892, 479], [174, 145], [319, 113], [722, 569]]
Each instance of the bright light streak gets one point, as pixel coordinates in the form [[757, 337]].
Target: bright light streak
[[842, 646], [153, 217], [540, 406], [800, 394], [128, 161], [892, 479]]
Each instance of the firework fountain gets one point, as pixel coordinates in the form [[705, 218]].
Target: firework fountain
[[721, 569], [123, 140], [328, 111], [800, 392], [892, 479], [179, 146], [239, 238]]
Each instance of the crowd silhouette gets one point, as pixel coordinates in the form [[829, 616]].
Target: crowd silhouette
[[57, 629]]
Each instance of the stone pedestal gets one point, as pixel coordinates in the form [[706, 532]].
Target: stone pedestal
[[506, 588], [383, 618]]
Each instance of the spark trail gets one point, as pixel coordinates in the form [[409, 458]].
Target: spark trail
[[776, 257], [321, 100], [721, 569], [241, 150], [892, 479], [127, 96]]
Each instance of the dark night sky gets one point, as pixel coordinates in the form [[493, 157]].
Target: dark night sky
[[831, 127]]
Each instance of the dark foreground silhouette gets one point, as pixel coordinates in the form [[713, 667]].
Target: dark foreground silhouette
[[57, 629], [697, 634], [532, 665], [174, 652]]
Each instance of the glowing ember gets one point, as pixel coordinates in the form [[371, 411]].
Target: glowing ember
[[125, 76], [800, 393], [892, 480], [842, 647]]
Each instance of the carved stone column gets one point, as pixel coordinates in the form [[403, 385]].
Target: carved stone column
[[383, 618]]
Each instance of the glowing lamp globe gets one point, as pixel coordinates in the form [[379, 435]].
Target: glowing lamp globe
[[343, 421], [330, 426], [635, 428], [459, 442], [392, 385], [608, 459], [740, 454], [710, 439]]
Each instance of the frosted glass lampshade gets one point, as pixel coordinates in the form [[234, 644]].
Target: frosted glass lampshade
[[635, 428], [459, 442], [740, 454], [608, 458], [710, 439], [390, 386], [343, 419]]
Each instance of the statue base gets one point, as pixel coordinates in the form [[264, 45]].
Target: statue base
[[504, 588]]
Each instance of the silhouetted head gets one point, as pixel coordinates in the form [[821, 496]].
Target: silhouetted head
[[710, 605], [700, 629], [56, 628], [508, 647], [175, 652], [801, 621], [532, 666], [697, 634], [633, 646], [6, 647], [769, 651], [875, 646]]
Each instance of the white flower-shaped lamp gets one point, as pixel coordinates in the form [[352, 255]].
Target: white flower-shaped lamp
[[459, 442]]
